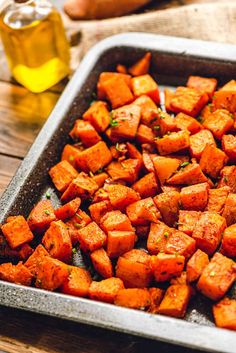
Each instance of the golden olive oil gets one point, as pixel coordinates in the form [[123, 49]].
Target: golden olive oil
[[35, 44]]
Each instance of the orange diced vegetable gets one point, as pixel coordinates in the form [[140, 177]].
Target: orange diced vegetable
[[99, 209], [121, 69], [105, 76], [98, 115], [208, 231], [35, 259], [194, 197], [217, 199], [17, 232], [225, 100], [134, 269], [157, 237], [68, 210], [168, 96], [115, 220], [217, 277], [145, 134], [167, 266], [134, 298], [18, 274], [175, 301], [102, 263], [41, 216], [229, 241], [156, 296], [147, 186], [165, 167], [219, 122], [62, 175], [117, 91], [199, 141], [119, 242], [77, 222], [148, 108], [207, 85], [229, 146], [82, 186], [180, 243], [141, 67], [187, 221], [145, 85], [121, 196], [126, 171], [186, 122], [228, 178], [143, 212], [174, 142], [69, 154], [189, 174], [168, 205], [57, 241], [106, 290], [196, 265], [225, 313], [85, 132], [77, 283], [91, 237]]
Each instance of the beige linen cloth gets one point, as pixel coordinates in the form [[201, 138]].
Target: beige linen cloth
[[207, 21]]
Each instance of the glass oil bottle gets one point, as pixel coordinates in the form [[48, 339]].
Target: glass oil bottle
[[35, 43]]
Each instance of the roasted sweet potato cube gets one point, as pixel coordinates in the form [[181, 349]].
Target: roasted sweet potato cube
[[196, 265], [99, 209], [147, 186], [194, 197], [180, 243], [51, 273], [100, 179], [168, 205], [68, 210], [181, 279], [18, 274], [199, 141], [77, 222], [134, 269], [228, 178], [217, 199], [98, 115], [117, 91], [145, 85], [17, 232], [143, 212], [125, 122], [167, 266], [149, 109], [57, 241], [82, 186], [35, 259], [119, 242], [229, 86], [133, 298], [219, 122], [187, 221], [168, 94], [189, 175], [62, 175], [121, 196], [133, 152], [165, 167], [41, 216], [174, 142], [203, 84], [115, 220], [145, 134], [91, 237], [188, 100], [229, 211], [106, 290], [141, 67], [147, 161], [85, 132], [25, 251], [102, 263], [69, 154], [208, 231], [163, 122], [94, 158], [225, 313], [228, 247], [218, 160], [229, 146], [175, 300], [77, 283], [225, 100], [105, 76], [157, 237], [186, 122], [217, 277], [156, 296], [126, 171]]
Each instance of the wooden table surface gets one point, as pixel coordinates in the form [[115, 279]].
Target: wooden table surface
[[22, 114]]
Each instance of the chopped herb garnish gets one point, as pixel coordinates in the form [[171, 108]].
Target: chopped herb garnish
[[113, 122], [158, 240], [71, 158], [131, 114], [92, 102], [78, 215], [99, 171], [118, 148], [176, 253], [74, 251], [91, 174], [157, 127], [157, 138], [78, 225], [184, 164], [48, 195], [124, 119], [166, 234], [212, 273], [226, 179], [47, 212]]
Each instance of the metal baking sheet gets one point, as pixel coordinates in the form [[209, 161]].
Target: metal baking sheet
[[173, 60]]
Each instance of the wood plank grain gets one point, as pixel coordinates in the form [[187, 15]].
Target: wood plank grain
[[8, 167], [22, 115], [23, 332]]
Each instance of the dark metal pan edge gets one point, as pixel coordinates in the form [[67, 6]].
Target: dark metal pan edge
[[89, 312]]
